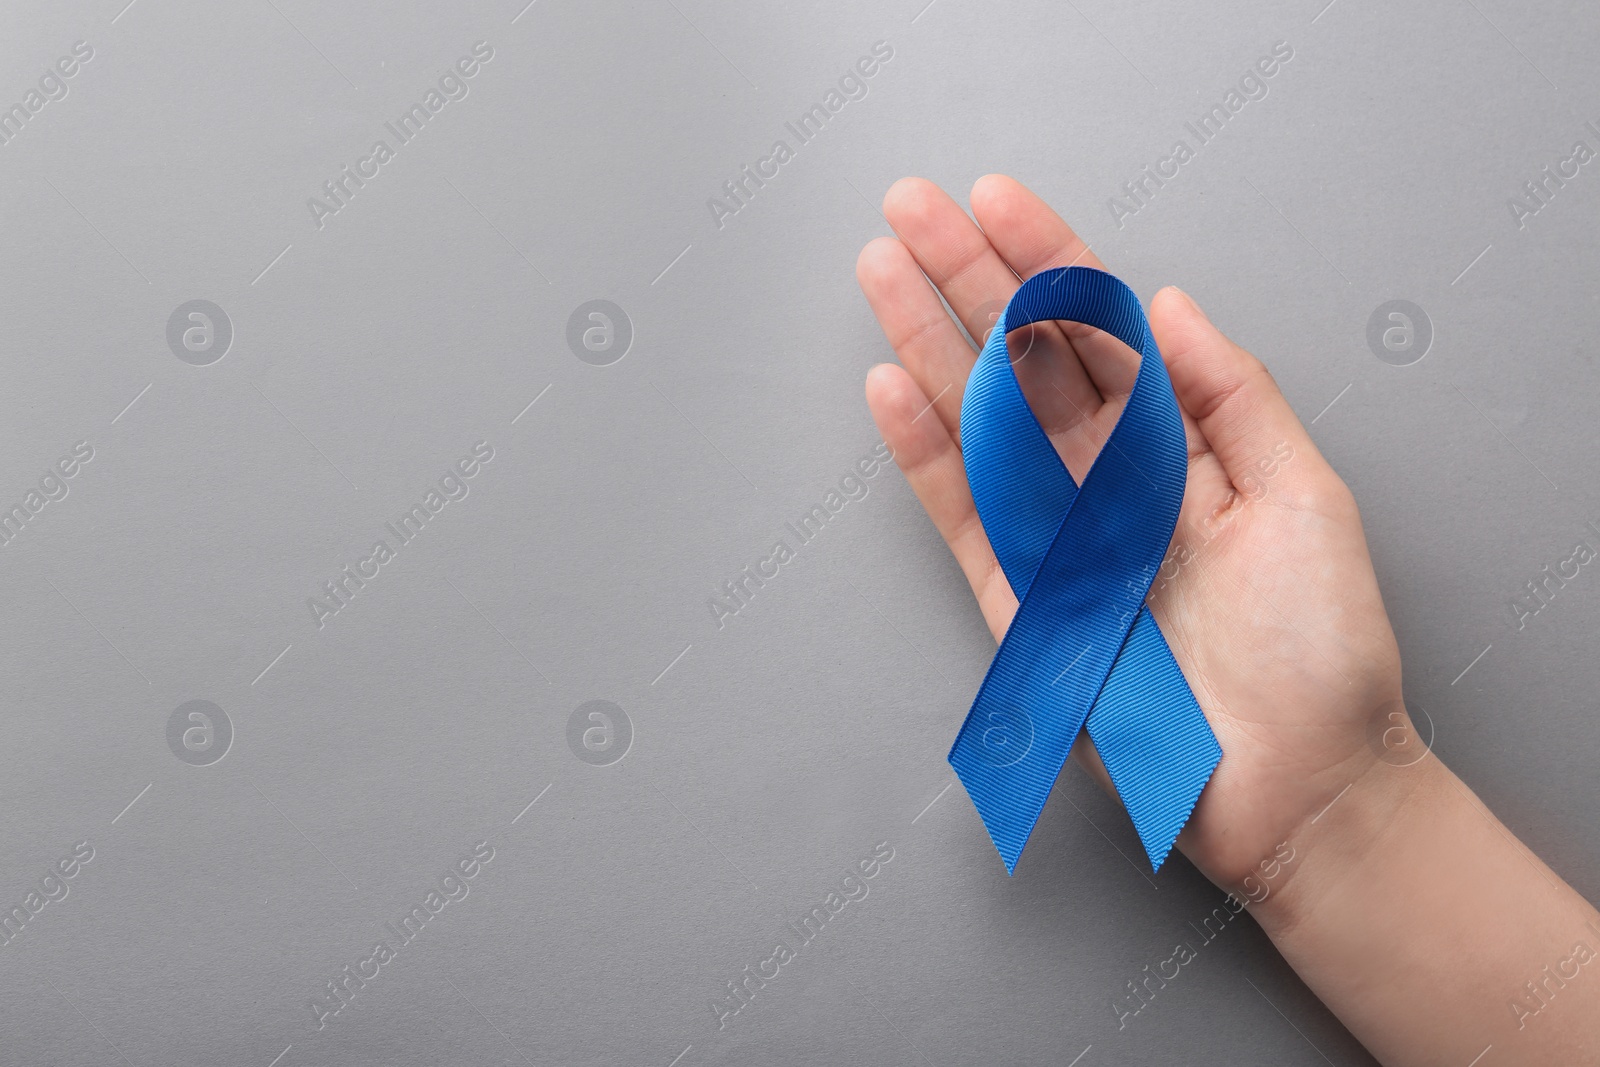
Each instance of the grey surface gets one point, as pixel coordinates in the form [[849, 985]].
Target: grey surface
[[370, 755]]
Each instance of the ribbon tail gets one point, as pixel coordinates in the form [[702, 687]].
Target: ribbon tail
[[1009, 822], [1153, 738]]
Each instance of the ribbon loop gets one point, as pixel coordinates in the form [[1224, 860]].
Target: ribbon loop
[[1083, 648]]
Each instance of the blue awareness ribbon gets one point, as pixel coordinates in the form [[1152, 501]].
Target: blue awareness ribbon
[[1083, 648]]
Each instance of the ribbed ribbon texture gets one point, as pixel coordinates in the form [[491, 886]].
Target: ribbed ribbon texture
[[1083, 648]]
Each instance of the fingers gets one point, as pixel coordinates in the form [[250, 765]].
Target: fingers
[[976, 282], [1025, 230], [950, 248], [931, 463], [1238, 407], [922, 333], [1032, 238]]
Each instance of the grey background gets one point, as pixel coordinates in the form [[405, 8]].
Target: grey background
[[766, 757]]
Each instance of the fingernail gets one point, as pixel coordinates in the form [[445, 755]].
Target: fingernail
[[1191, 302]]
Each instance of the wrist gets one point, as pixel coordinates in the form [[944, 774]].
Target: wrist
[[1424, 925], [1351, 840]]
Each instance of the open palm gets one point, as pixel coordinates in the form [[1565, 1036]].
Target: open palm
[[1267, 598]]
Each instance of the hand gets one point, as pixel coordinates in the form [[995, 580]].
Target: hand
[[1414, 913], [1268, 597]]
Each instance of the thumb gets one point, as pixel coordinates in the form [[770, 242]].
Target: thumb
[[1230, 394]]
